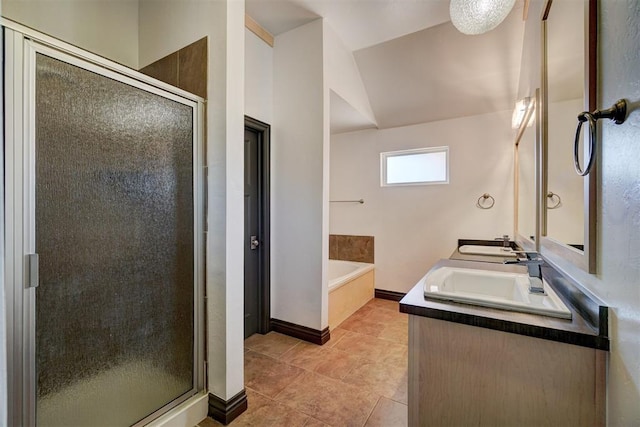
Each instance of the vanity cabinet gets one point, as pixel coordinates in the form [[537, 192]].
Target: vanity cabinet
[[462, 375], [478, 366]]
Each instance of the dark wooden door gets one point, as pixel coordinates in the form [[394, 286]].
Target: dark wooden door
[[252, 238]]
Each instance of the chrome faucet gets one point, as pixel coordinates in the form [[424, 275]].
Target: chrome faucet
[[533, 261]]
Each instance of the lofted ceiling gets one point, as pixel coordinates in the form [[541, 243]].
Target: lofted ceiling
[[415, 66], [359, 23], [439, 73]]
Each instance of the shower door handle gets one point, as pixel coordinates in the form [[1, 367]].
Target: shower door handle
[[33, 270], [254, 243]]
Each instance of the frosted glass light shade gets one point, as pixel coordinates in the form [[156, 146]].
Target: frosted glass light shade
[[478, 16]]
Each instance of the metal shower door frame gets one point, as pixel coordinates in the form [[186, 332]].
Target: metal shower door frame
[[20, 47]]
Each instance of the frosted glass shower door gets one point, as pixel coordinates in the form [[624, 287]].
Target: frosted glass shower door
[[115, 309]]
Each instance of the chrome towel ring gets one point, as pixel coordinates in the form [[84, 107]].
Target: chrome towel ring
[[551, 195], [617, 113], [481, 203]]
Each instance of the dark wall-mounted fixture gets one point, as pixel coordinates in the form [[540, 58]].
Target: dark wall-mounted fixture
[[617, 113]]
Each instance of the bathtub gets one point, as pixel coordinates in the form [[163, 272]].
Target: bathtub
[[351, 285]]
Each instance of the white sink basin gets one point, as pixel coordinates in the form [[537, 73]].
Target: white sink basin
[[496, 289], [487, 250]]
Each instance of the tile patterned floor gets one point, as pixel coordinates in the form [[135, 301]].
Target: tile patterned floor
[[358, 378]]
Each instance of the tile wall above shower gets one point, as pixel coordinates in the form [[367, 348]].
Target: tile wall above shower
[[185, 68]]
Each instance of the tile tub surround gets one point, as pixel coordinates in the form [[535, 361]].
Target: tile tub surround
[[358, 378], [351, 248]]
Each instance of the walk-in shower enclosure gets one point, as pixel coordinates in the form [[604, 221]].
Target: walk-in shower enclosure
[[104, 236]]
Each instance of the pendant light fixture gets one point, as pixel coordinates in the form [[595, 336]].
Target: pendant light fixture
[[478, 16]]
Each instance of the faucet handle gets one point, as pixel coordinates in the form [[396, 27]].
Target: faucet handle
[[534, 267]]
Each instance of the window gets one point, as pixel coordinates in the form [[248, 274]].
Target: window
[[415, 167]]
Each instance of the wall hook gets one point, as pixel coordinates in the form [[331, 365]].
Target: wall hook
[[617, 113]]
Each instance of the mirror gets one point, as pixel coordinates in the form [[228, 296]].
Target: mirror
[[568, 83], [526, 153]]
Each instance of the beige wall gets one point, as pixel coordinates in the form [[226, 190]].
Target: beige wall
[[343, 75], [415, 226], [106, 27], [299, 191], [617, 281], [258, 78]]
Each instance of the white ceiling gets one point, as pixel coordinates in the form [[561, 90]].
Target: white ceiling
[[439, 73], [359, 23], [416, 67]]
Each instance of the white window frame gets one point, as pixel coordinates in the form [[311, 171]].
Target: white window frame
[[385, 155]]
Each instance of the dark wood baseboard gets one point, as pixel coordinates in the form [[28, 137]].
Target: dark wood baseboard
[[302, 332], [390, 295], [225, 411]]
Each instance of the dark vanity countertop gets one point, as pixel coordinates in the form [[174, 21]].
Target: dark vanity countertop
[[577, 331]]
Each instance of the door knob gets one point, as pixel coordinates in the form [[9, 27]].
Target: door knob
[[254, 242]]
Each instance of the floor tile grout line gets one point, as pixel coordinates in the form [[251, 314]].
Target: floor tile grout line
[[271, 355], [294, 346], [315, 369], [339, 339], [396, 401], [380, 363], [372, 409], [315, 419], [394, 310], [360, 333], [361, 359], [275, 398], [376, 336], [277, 402], [267, 355], [286, 362], [331, 379], [393, 323], [260, 393], [268, 335], [291, 407], [346, 375]]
